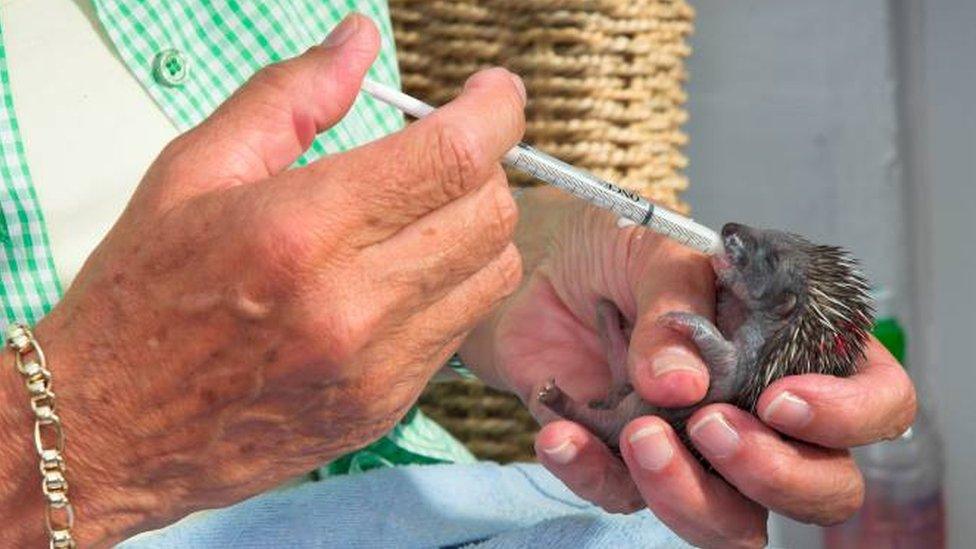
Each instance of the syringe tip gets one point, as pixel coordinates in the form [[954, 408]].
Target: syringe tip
[[686, 231]]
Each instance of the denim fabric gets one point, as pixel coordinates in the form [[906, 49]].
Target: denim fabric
[[479, 505]]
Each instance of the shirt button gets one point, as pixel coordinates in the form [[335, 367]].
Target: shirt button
[[170, 68]]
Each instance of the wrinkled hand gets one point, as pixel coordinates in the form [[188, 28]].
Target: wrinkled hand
[[243, 323], [548, 329]]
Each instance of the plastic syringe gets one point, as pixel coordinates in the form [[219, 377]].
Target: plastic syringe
[[622, 202]]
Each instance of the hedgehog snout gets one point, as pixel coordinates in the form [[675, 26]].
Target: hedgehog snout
[[730, 229], [735, 244]]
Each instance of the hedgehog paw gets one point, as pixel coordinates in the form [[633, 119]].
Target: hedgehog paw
[[683, 322]]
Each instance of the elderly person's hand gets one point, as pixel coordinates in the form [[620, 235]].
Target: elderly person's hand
[[243, 323], [793, 461]]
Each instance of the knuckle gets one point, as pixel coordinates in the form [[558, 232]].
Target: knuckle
[[519, 113], [849, 501], [457, 160], [499, 279], [749, 532], [388, 392], [332, 320], [516, 112], [278, 77], [176, 147], [623, 506], [755, 541], [838, 506], [510, 270], [343, 333], [491, 230], [180, 158], [749, 541], [907, 402], [503, 213], [284, 247], [404, 388]]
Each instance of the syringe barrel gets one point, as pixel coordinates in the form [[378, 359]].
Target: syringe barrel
[[622, 202], [583, 185]]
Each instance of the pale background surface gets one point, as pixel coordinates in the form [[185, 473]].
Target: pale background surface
[[853, 123]]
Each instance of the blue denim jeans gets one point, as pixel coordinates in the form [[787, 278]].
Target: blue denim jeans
[[479, 505]]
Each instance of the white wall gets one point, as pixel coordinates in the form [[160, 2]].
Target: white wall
[[937, 46], [804, 115], [793, 123]]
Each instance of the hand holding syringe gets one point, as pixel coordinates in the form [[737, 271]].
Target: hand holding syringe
[[626, 204]]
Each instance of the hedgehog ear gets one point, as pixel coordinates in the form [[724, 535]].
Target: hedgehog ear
[[786, 304]]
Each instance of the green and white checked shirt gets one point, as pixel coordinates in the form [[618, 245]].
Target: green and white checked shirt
[[189, 56]]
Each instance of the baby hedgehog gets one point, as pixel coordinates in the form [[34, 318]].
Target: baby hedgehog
[[785, 306]]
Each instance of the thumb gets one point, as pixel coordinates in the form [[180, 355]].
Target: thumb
[[270, 121], [663, 365]]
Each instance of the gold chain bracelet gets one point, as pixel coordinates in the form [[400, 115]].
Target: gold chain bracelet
[[59, 517]]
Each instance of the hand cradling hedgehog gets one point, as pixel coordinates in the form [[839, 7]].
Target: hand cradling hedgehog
[[785, 306]]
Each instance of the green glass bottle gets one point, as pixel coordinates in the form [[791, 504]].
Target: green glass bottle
[[890, 333]]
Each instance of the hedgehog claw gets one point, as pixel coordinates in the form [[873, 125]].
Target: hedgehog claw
[[549, 392]]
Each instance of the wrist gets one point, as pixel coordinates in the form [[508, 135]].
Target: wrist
[[105, 510], [21, 500]]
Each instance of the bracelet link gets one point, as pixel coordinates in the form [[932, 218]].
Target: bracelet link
[[19, 338], [55, 483], [38, 386], [32, 369], [51, 460], [53, 426], [59, 515], [59, 527], [61, 539]]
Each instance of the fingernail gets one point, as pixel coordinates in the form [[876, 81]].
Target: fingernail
[[674, 360], [652, 449], [715, 436], [520, 86], [788, 410], [342, 33], [562, 453]]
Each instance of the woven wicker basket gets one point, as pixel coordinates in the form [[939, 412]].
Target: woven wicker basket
[[605, 84]]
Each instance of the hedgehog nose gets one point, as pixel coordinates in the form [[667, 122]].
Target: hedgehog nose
[[730, 229], [734, 237]]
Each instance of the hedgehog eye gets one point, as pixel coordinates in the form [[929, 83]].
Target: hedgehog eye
[[786, 304]]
